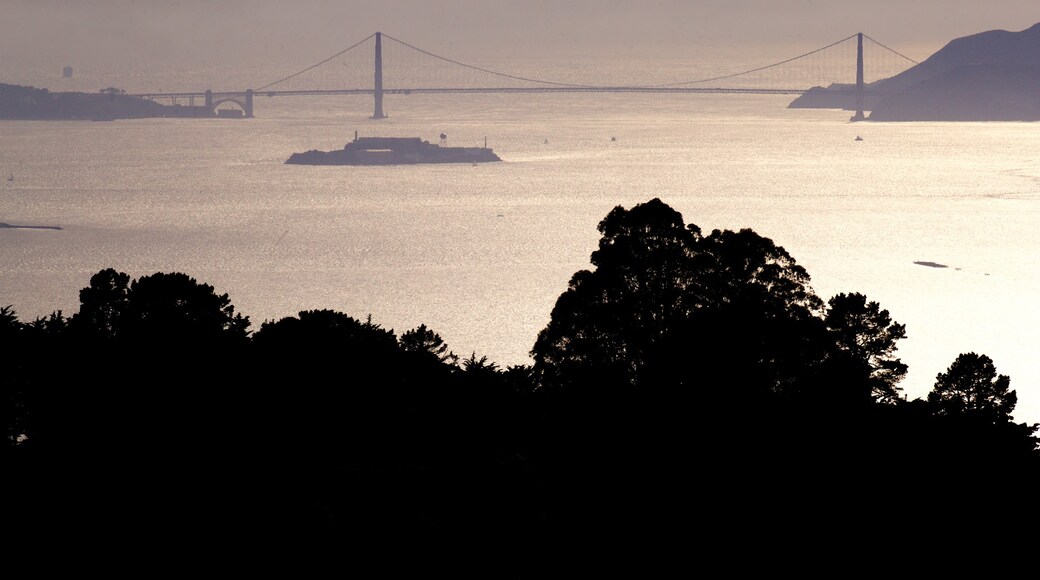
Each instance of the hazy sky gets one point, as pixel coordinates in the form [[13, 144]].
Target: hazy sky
[[96, 32]]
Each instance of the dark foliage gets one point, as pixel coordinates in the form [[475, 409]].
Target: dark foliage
[[971, 386], [867, 334], [690, 397], [730, 315]]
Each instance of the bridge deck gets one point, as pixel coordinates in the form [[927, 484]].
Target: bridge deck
[[437, 90]]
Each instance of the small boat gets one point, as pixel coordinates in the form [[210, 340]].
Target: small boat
[[10, 177], [858, 138]]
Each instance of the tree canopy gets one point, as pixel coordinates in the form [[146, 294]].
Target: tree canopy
[[972, 386], [867, 333], [167, 307], [732, 310]]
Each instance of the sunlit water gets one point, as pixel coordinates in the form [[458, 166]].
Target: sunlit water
[[480, 253]]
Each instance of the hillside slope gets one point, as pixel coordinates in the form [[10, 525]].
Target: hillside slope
[[989, 76]]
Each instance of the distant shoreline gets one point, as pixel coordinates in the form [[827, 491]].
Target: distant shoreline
[[33, 104]]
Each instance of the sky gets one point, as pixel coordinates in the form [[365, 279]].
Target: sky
[[99, 33]]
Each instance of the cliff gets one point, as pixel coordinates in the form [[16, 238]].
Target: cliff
[[22, 102]]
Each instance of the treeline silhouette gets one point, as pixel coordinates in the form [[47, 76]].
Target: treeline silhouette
[[691, 393]]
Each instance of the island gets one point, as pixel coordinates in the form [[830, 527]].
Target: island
[[393, 151], [989, 76]]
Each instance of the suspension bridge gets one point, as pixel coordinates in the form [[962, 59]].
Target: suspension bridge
[[399, 68]]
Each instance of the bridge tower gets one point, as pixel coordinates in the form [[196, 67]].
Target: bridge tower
[[378, 92], [859, 79], [249, 104]]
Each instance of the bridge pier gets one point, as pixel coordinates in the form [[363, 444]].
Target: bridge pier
[[249, 104], [859, 80], [209, 99]]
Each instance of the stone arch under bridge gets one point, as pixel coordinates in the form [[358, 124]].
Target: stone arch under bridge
[[243, 100]]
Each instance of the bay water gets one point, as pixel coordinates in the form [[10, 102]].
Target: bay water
[[479, 253]]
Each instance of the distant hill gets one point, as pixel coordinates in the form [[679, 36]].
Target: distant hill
[[970, 92], [22, 102], [990, 76]]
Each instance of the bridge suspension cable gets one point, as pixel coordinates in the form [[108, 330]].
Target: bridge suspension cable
[[759, 69], [483, 70], [416, 69], [893, 51], [317, 64], [780, 63]]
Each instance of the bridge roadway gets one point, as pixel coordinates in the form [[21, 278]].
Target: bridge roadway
[[458, 90]]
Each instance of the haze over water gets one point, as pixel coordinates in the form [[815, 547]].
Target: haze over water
[[480, 253]]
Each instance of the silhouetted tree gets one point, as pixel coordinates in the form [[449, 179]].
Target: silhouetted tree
[[424, 340], [669, 366], [321, 329], [102, 305], [175, 307], [970, 447], [732, 308], [29, 351], [11, 385], [328, 361], [753, 272], [8, 320], [972, 386], [376, 437], [868, 335], [171, 308], [609, 319], [479, 366], [176, 336], [175, 348], [718, 391]]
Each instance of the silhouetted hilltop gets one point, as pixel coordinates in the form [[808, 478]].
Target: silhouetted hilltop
[[990, 48], [24, 102], [989, 76]]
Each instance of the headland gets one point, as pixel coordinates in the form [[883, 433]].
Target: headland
[[989, 76], [19, 102]]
